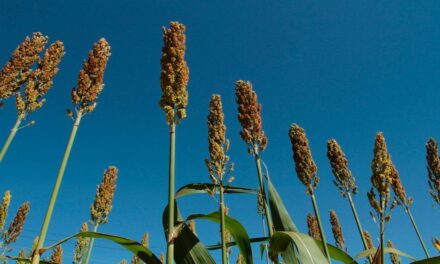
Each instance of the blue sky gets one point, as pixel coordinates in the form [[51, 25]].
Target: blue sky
[[340, 69]]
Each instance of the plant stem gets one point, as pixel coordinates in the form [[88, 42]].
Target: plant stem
[[11, 136], [382, 231], [222, 225], [263, 191], [358, 223], [318, 218], [92, 241], [170, 244], [417, 230], [56, 188]]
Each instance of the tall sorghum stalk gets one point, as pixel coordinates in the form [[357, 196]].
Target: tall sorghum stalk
[[217, 163], [82, 243], [173, 81], [102, 205], [337, 231], [146, 243], [38, 82], [90, 85], [381, 179], [433, 161], [345, 182], [403, 200], [249, 116], [306, 171]]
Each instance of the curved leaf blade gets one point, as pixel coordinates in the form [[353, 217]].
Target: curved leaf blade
[[372, 251], [200, 188], [433, 260], [134, 247], [235, 228]]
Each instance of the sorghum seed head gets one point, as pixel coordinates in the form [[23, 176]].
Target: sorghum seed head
[[57, 255], [145, 240], [17, 70], [381, 178], [81, 246], [16, 225], [217, 142], [337, 231], [368, 239], [105, 192], [398, 188], [174, 74], [344, 179], [249, 116], [433, 167], [91, 77], [312, 224], [305, 167], [4, 209], [395, 259], [40, 80]]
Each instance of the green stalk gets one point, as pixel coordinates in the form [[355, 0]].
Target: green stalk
[[56, 188], [11, 136], [318, 218], [170, 244], [263, 191], [358, 223], [92, 241], [417, 230], [222, 225], [382, 231]]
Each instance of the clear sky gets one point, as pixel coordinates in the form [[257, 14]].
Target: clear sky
[[342, 69]]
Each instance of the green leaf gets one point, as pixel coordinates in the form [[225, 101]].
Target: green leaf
[[197, 188], [307, 247], [237, 231], [337, 253], [187, 247], [230, 244], [433, 260], [135, 247], [282, 222], [372, 251]]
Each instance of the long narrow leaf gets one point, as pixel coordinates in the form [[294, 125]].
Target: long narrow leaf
[[233, 243], [372, 251], [198, 188], [434, 260], [308, 249], [187, 247], [237, 231], [282, 222], [135, 247]]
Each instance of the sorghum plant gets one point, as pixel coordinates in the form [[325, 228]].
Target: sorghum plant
[[217, 163], [102, 205], [306, 171], [249, 116], [15, 227], [38, 81], [403, 200], [82, 243], [174, 77], [345, 181], [337, 231], [395, 259], [90, 85], [433, 167], [313, 227], [381, 179], [146, 243]]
